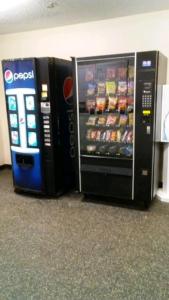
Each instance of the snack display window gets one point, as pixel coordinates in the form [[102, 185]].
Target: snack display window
[[106, 108]]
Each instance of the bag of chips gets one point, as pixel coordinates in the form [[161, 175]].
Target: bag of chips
[[98, 135], [90, 105], [102, 149], [89, 76], [91, 120], [113, 135], [112, 150], [124, 136], [112, 104], [108, 135], [131, 72], [126, 151], [123, 120], [91, 90], [130, 119], [88, 134], [110, 73], [122, 103], [122, 87], [111, 87], [101, 120], [103, 136], [93, 134], [112, 120], [118, 139], [122, 73], [101, 88], [100, 103], [129, 138], [130, 87]]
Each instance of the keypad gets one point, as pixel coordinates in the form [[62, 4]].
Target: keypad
[[146, 101]]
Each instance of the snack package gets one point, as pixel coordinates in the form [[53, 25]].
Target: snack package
[[126, 151], [88, 134], [108, 135], [103, 136], [118, 138], [91, 90], [131, 72], [113, 136], [101, 120], [89, 76], [129, 138], [122, 73], [130, 119], [102, 149], [112, 120], [124, 136], [101, 88], [90, 105], [123, 120], [130, 87], [111, 73], [100, 103], [122, 87], [91, 120], [122, 103], [112, 104], [98, 135], [91, 148], [130, 100], [111, 87], [93, 134], [113, 150]]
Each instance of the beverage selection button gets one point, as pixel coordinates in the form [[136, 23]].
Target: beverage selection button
[[45, 121], [46, 126]]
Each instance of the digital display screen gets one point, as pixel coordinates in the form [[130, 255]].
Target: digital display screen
[[146, 63], [31, 121], [30, 102], [32, 139], [13, 120], [12, 103], [15, 137]]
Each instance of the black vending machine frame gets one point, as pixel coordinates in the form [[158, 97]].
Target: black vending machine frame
[[95, 176]]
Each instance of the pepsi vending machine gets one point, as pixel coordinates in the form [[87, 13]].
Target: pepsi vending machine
[[40, 111]]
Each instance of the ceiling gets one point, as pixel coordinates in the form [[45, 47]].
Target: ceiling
[[37, 14]]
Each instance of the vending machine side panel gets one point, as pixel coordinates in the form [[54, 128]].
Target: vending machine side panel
[[21, 100], [146, 152], [64, 84]]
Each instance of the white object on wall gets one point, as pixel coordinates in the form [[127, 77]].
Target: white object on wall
[[163, 194]]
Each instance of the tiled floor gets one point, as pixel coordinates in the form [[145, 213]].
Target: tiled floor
[[69, 249]]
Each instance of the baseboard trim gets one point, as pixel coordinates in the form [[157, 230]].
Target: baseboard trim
[[5, 166]]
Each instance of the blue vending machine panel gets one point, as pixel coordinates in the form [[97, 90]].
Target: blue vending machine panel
[[21, 97]]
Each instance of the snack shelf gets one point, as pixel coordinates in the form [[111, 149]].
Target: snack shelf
[[106, 112], [107, 142], [106, 157], [109, 126]]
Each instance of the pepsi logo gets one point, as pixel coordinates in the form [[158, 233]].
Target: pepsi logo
[[8, 76], [68, 89]]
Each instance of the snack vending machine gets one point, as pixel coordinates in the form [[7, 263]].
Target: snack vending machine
[[39, 106], [115, 98]]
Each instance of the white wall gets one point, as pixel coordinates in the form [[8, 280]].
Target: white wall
[[127, 34]]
